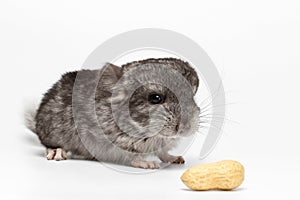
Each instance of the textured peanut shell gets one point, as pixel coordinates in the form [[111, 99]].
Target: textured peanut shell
[[223, 175]]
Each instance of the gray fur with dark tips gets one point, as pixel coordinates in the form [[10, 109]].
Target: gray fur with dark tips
[[89, 129]]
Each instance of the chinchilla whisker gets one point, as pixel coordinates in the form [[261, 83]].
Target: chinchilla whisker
[[211, 106], [210, 109], [210, 115], [213, 95], [215, 127], [219, 118], [204, 127], [213, 116], [207, 114], [202, 123], [200, 133], [209, 124], [220, 129]]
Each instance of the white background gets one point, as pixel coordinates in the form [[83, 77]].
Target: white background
[[254, 44]]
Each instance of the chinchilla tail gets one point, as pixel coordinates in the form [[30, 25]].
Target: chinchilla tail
[[29, 117]]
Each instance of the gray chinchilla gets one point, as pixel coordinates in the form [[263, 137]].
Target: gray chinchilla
[[120, 114]]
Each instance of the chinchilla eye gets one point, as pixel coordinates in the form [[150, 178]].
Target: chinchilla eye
[[155, 98]]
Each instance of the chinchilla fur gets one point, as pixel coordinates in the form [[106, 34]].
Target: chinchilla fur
[[77, 113]]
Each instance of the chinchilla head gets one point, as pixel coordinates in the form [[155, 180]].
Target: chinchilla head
[[155, 98]]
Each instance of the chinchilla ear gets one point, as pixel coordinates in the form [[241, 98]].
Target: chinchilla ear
[[108, 76], [112, 72], [179, 65], [194, 80], [186, 70]]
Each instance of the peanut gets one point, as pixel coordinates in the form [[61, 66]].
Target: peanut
[[223, 175]]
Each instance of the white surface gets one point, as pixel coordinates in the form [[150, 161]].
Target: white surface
[[254, 44]]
